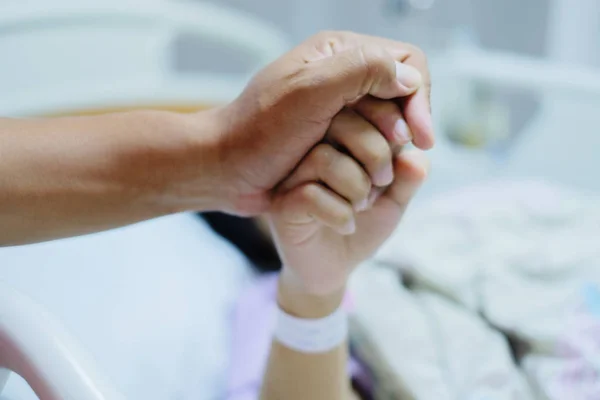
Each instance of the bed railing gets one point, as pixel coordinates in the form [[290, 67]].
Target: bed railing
[[34, 345], [511, 70], [97, 54]]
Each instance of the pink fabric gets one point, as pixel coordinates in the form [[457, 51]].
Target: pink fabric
[[579, 351], [253, 326]]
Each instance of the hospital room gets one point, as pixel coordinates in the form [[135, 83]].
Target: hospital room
[[299, 199]]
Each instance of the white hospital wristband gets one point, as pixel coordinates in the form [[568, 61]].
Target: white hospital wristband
[[312, 335]]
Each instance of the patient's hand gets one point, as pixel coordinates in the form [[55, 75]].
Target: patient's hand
[[328, 216]]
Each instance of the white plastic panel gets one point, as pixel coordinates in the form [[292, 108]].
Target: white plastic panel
[[118, 53], [75, 55]]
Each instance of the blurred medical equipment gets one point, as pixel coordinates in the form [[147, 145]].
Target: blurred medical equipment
[[84, 57], [559, 142]]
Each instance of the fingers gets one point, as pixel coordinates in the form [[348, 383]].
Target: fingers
[[335, 169], [353, 73], [411, 169], [387, 117], [313, 201], [417, 108], [365, 144], [351, 66]]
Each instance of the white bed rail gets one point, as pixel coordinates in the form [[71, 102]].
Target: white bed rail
[[216, 22], [506, 69], [34, 345], [70, 55]]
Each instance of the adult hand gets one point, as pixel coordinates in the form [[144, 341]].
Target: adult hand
[[288, 107]]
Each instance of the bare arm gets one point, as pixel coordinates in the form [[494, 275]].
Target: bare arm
[[296, 376], [68, 176]]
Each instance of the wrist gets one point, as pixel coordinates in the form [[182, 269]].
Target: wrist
[[188, 166], [226, 162], [298, 302]]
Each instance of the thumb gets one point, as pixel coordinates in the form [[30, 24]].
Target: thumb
[[347, 76]]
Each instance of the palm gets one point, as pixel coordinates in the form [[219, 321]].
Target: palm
[[324, 258]]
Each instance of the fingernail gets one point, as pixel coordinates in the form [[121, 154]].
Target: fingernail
[[385, 176], [349, 228], [362, 205], [402, 132], [408, 76]]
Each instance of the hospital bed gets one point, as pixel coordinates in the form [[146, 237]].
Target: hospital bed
[[75, 57]]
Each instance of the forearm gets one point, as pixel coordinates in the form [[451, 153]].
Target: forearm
[[68, 176], [296, 376]]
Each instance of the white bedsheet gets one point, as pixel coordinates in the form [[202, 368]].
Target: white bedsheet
[[515, 259], [150, 302]]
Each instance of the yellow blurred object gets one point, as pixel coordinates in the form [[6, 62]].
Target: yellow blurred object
[[182, 108], [477, 119]]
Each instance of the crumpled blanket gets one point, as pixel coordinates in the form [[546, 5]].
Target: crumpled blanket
[[488, 293]]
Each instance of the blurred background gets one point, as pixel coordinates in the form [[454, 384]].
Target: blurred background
[[516, 96]]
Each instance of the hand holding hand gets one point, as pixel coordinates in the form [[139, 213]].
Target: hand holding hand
[[288, 108]]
